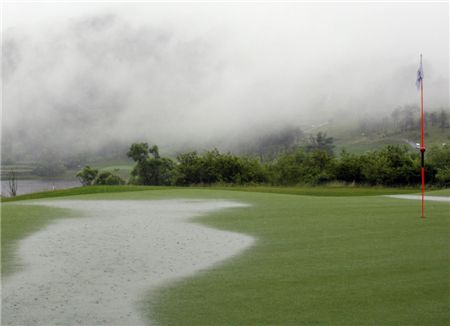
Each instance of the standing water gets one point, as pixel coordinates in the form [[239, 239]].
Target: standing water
[[27, 186], [100, 267]]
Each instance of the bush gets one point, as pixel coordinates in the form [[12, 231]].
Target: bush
[[349, 168], [314, 167], [87, 175], [443, 177], [390, 166], [109, 179], [439, 157], [214, 167]]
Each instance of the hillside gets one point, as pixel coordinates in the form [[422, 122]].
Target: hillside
[[355, 141]]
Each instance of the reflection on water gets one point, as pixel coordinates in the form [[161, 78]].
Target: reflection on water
[[29, 186]]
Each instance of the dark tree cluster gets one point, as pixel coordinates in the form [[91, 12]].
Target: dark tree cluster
[[215, 167], [89, 176], [391, 166], [403, 119], [150, 168], [314, 164]]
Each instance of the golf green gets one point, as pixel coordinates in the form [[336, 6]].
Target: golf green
[[317, 260]]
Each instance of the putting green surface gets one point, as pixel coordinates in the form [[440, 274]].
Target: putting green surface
[[317, 261]]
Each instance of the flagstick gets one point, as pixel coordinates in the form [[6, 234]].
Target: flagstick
[[422, 145]]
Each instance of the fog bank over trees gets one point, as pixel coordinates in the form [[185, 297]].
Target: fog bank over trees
[[194, 76]]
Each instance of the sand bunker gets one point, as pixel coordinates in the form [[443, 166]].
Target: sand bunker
[[419, 197], [95, 270]]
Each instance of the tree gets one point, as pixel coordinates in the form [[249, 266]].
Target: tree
[[300, 166], [87, 175], [187, 172], [349, 168], [396, 117], [12, 183], [150, 168], [443, 117], [321, 142], [319, 167], [214, 167], [439, 157], [138, 152], [391, 166]]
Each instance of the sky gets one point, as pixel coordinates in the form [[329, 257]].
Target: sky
[[81, 76]]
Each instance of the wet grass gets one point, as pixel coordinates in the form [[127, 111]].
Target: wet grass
[[331, 190], [441, 192], [349, 259], [327, 191], [321, 261], [79, 191], [18, 221]]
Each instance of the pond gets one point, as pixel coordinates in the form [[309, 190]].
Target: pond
[[27, 186]]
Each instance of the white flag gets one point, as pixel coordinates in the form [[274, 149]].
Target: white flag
[[419, 74]]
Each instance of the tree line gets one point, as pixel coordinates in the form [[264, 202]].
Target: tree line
[[315, 164], [406, 118]]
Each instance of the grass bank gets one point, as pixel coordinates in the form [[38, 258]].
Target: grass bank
[[323, 191], [331, 190], [80, 191]]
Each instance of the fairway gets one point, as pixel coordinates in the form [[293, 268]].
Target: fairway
[[316, 260]]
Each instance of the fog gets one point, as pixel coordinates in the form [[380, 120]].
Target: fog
[[80, 78]]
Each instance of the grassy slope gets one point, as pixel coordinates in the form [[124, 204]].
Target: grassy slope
[[347, 136], [309, 191], [79, 191], [334, 191], [347, 260]]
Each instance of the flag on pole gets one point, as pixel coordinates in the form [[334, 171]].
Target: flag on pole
[[419, 74], [419, 84]]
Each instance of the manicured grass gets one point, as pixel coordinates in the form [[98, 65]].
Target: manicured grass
[[308, 191], [441, 192], [79, 191], [348, 260], [334, 191], [325, 261]]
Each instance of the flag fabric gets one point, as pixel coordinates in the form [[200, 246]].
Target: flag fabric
[[419, 74]]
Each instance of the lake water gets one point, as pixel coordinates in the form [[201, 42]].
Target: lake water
[[29, 186]]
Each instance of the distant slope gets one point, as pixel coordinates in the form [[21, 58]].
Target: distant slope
[[347, 135]]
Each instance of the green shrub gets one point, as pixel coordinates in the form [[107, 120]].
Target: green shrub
[[87, 175], [108, 179], [150, 168]]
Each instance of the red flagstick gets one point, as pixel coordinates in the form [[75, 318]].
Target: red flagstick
[[422, 144]]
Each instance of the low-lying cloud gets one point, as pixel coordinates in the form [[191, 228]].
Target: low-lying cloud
[[104, 79]]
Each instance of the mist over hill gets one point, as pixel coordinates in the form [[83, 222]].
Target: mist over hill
[[221, 76]]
